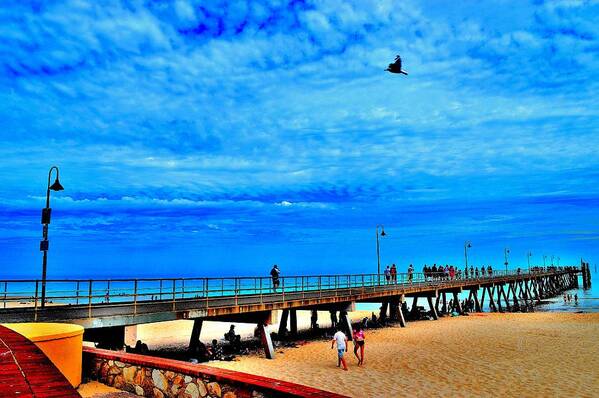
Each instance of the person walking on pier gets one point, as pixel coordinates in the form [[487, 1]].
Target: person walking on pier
[[274, 273], [394, 273], [341, 340], [359, 344], [387, 274], [410, 273]]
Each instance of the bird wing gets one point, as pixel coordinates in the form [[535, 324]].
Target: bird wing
[[398, 62]]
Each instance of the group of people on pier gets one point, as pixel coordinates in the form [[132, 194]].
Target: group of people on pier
[[449, 272], [440, 273]]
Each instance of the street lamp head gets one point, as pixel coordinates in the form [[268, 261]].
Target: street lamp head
[[56, 186], [383, 232]]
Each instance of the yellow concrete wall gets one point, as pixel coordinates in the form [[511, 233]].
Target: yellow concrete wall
[[61, 342]]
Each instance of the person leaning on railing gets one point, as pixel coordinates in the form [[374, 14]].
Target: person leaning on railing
[[275, 272]]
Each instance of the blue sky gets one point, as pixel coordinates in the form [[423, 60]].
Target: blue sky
[[217, 138]]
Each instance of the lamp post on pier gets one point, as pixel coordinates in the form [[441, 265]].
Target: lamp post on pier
[[46, 215], [528, 256], [544, 260], [552, 257], [506, 253], [467, 245], [378, 248]]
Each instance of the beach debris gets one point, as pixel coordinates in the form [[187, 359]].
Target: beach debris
[[395, 67]]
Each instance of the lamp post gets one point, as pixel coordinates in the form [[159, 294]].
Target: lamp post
[[528, 256], [46, 214], [506, 253], [378, 248], [552, 257], [544, 260], [467, 245]]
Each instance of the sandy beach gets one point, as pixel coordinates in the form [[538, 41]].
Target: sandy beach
[[532, 355], [512, 354]]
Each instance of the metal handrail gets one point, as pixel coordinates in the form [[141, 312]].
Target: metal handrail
[[110, 291]]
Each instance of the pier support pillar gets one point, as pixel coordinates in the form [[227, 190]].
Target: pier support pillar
[[394, 308], [482, 299], [346, 324], [432, 307], [283, 323], [333, 319], [477, 306], [515, 297], [535, 290], [402, 319], [195, 334], [507, 303], [499, 298], [314, 320], [492, 305], [444, 308], [414, 309], [383, 313], [293, 322], [456, 302], [269, 350]]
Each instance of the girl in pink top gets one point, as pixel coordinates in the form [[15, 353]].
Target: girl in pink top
[[359, 344]]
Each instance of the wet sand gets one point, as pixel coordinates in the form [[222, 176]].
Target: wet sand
[[532, 355]]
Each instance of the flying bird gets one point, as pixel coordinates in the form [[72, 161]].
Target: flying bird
[[395, 67]]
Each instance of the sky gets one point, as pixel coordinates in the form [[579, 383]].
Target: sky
[[217, 138]]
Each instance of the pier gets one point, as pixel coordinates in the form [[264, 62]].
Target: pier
[[110, 309]]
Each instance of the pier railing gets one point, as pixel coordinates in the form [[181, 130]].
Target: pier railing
[[103, 292]]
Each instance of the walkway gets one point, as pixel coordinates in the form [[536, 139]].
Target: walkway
[[26, 372], [122, 302]]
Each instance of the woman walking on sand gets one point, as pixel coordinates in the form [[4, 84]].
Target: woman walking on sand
[[359, 344]]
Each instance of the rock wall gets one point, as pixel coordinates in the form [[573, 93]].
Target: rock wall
[[164, 378], [156, 383]]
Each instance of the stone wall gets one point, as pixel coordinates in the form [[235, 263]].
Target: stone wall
[[165, 378]]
